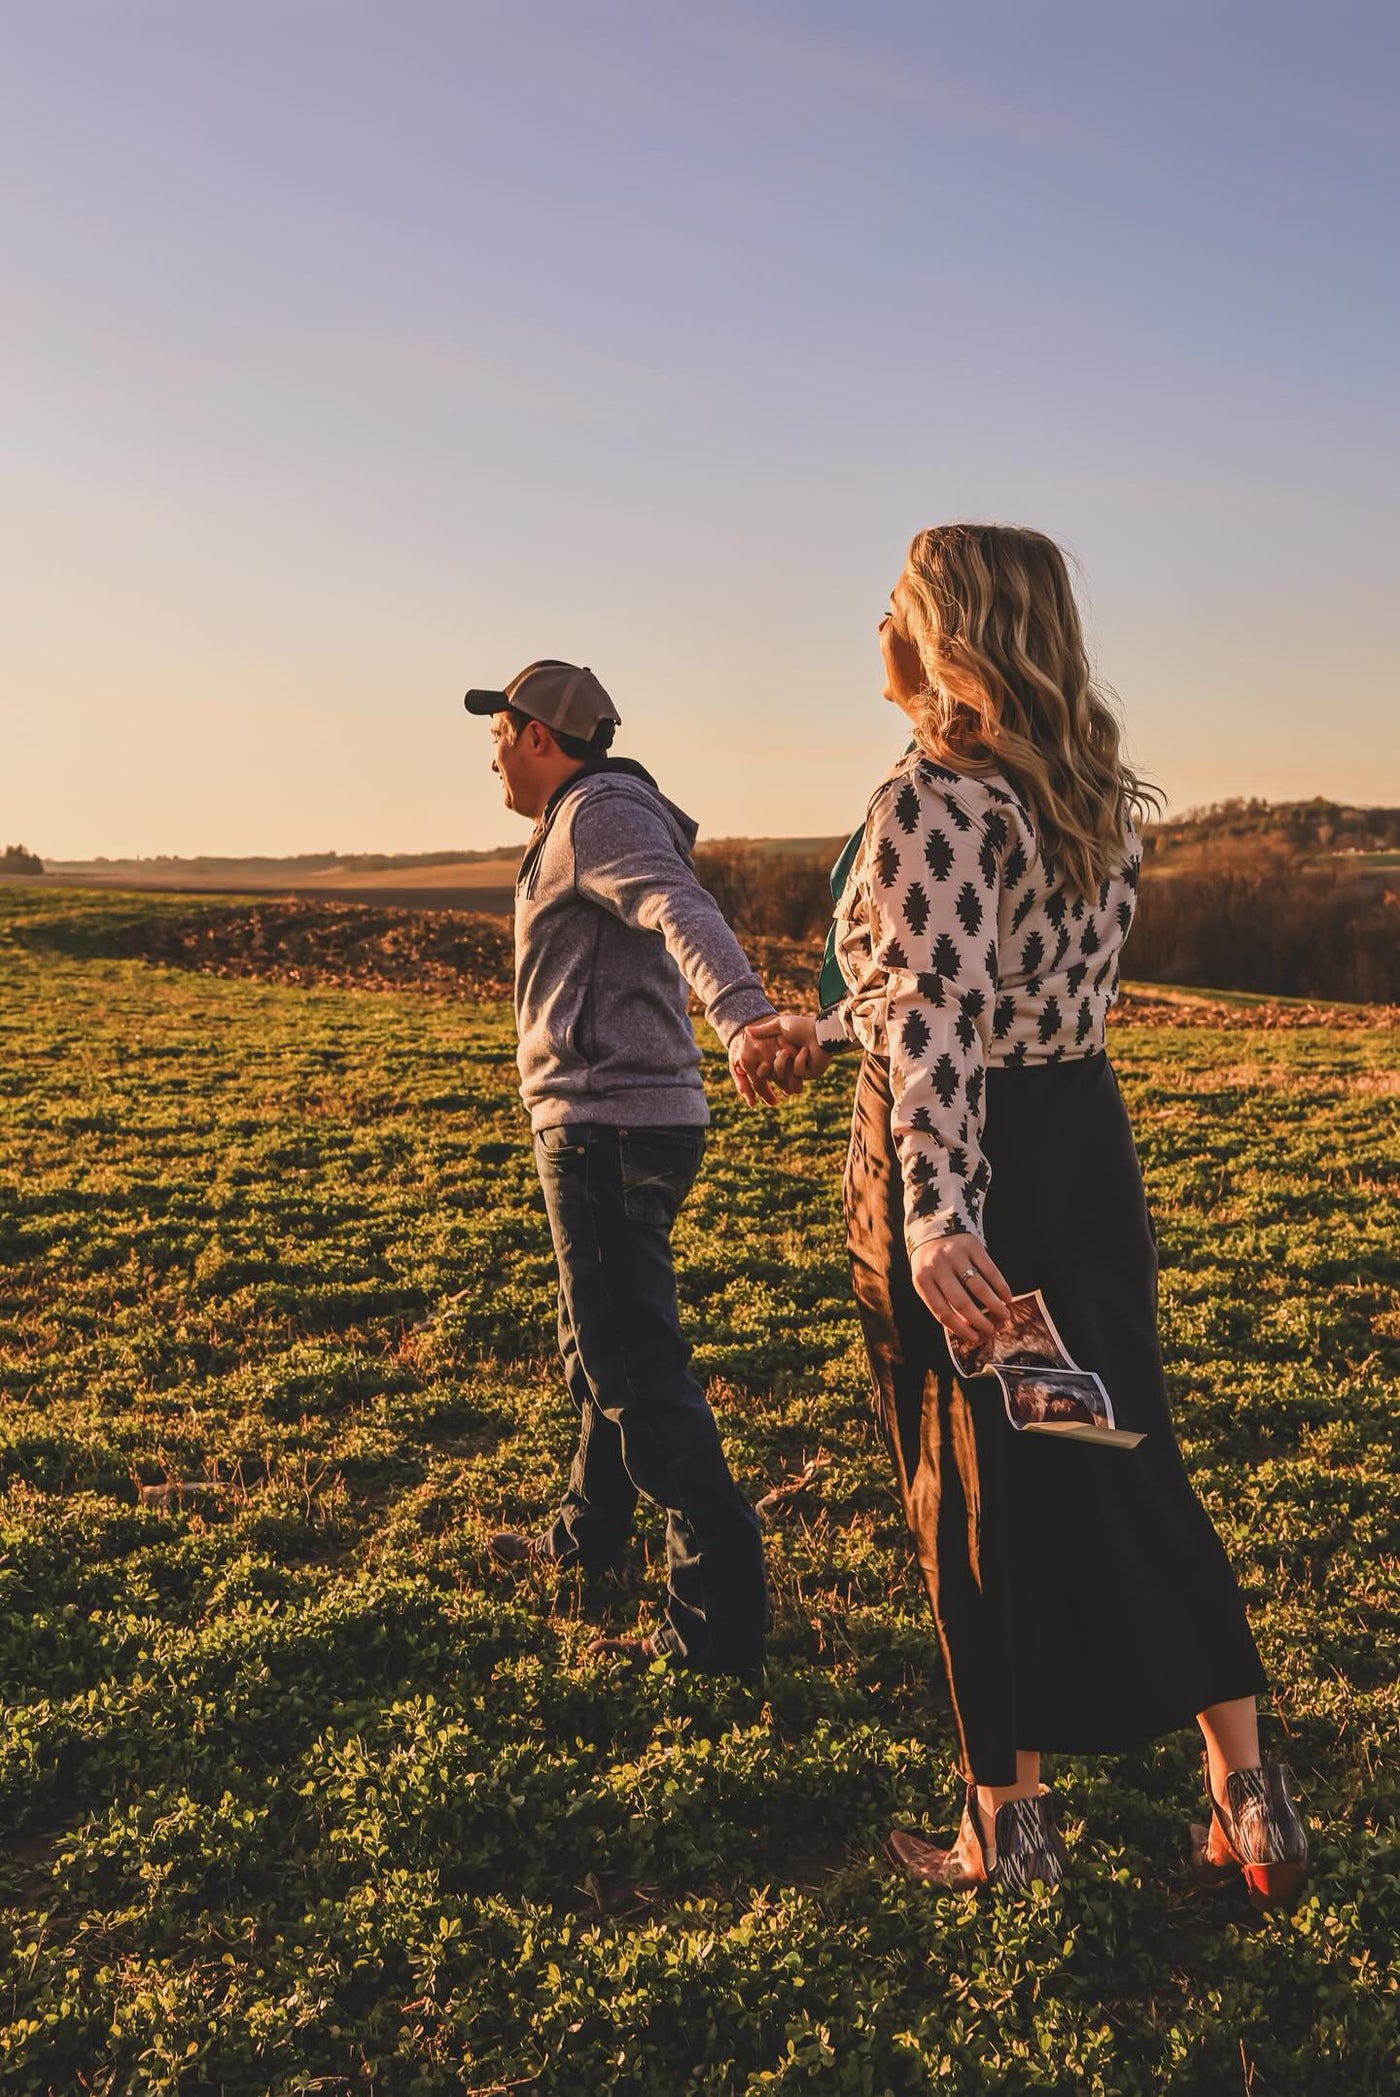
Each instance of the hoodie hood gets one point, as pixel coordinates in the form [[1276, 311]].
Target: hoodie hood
[[628, 774]]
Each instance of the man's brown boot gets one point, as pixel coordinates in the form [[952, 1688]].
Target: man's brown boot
[[508, 1547], [637, 1652]]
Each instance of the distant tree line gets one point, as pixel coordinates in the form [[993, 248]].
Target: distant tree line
[[18, 860], [307, 862], [1298, 826]]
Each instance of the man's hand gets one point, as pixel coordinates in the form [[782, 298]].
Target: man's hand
[[754, 1065], [962, 1285]]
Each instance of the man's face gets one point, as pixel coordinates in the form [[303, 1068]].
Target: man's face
[[519, 765]]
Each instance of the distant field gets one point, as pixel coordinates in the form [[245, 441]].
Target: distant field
[[475, 884], [437, 883], [231, 876], [304, 1795]]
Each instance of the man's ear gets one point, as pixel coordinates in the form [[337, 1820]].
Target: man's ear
[[541, 741]]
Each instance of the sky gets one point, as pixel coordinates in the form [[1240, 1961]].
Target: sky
[[352, 354]]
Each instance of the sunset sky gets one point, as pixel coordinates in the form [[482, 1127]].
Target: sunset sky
[[353, 354]]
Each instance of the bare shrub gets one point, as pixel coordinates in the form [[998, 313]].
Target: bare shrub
[[779, 895], [1254, 917]]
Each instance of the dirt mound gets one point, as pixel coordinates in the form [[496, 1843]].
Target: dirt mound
[[458, 953], [453, 953], [354, 946]]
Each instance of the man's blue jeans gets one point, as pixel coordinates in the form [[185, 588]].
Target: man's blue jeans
[[613, 1196]]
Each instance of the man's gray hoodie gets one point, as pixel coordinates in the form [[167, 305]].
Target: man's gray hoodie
[[611, 924]]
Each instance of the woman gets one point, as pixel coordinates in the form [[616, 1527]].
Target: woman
[[1082, 1599]]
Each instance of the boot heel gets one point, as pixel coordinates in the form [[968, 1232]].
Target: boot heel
[[1274, 1885], [1261, 1829]]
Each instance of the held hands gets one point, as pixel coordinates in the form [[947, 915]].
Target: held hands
[[962, 1285], [793, 1039], [753, 1067], [956, 1277], [780, 1051]]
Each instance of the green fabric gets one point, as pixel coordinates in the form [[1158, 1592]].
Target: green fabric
[[831, 984]]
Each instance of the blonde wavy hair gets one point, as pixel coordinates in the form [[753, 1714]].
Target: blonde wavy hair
[[1008, 688]]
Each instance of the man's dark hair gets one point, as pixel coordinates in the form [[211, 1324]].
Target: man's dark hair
[[581, 748]]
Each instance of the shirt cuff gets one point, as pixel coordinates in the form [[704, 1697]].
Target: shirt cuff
[[733, 1010], [831, 1029], [927, 1230]]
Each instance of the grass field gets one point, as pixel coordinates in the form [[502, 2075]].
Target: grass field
[[302, 1795]]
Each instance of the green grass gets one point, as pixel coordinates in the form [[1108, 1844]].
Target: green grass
[[303, 1795]]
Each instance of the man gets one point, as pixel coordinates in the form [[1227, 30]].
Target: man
[[610, 926]]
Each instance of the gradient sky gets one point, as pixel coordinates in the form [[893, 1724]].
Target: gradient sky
[[352, 354]]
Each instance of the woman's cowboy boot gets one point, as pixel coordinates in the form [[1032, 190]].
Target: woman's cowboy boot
[[1258, 1833], [1029, 1846]]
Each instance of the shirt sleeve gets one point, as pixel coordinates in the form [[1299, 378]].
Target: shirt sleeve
[[626, 859], [928, 996]]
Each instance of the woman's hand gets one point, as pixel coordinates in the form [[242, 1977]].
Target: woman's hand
[[962, 1285], [796, 1057]]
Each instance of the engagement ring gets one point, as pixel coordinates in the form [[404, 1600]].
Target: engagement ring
[[969, 1274]]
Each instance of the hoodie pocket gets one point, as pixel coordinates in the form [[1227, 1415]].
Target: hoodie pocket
[[581, 1039], [583, 1034]]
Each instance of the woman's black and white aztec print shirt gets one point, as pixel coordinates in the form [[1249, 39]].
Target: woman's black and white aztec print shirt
[[962, 947]]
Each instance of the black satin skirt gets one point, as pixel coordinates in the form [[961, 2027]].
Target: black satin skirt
[[1082, 1598]]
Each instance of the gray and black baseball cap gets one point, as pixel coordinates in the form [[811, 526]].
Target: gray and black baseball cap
[[559, 694]]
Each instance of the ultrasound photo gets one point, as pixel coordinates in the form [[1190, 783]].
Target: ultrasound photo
[[1027, 1340], [1044, 1390]]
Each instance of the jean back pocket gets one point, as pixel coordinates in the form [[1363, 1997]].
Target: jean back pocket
[[658, 1168]]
